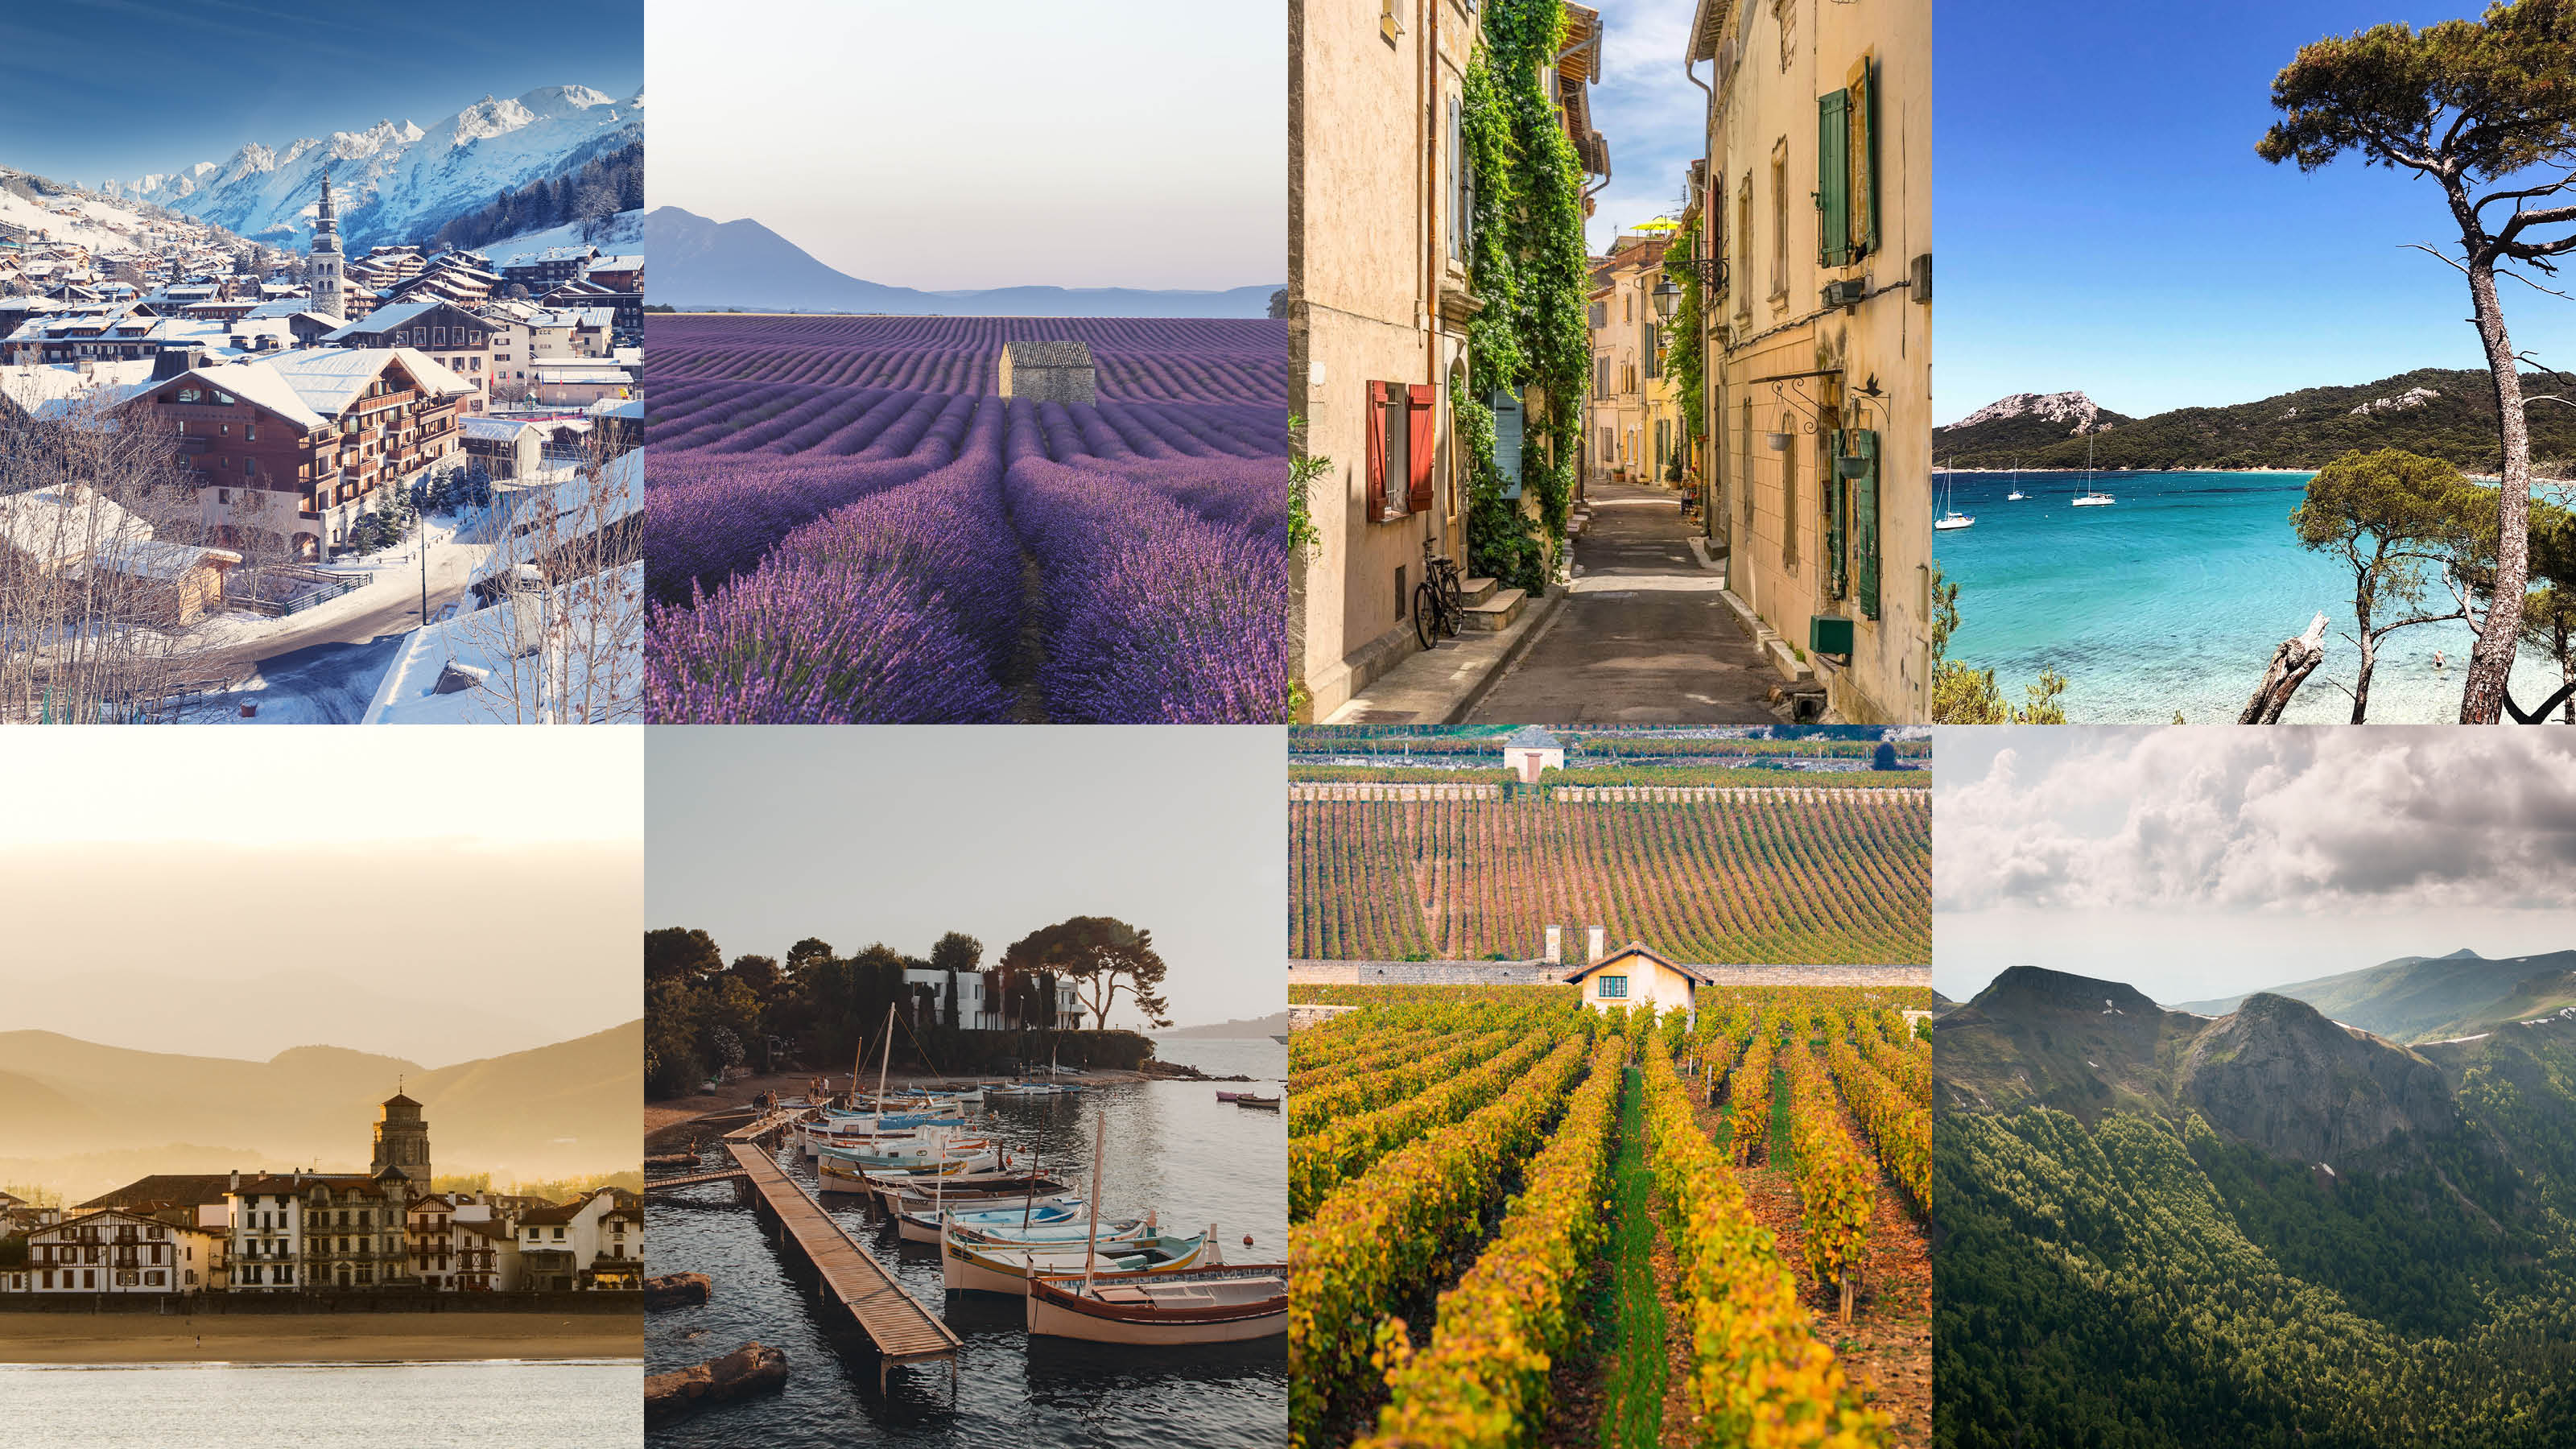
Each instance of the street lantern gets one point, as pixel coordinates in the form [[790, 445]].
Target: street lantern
[[1667, 297]]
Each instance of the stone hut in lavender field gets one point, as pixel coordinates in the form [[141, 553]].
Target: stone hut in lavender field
[[1049, 372]]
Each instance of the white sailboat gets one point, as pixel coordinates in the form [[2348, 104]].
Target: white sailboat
[[2091, 497], [1951, 518], [2016, 495]]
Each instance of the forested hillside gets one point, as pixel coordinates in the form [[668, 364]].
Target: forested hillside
[[2437, 412], [2158, 1229]]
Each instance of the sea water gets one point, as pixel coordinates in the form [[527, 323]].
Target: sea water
[[1172, 1146], [2174, 598], [487, 1404]]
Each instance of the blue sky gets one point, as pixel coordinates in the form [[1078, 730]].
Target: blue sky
[[115, 88], [1650, 113], [2103, 224]]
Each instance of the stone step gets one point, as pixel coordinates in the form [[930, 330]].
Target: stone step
[[1496, 613], [1476, 591]]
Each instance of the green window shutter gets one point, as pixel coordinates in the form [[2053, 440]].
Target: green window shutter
[[1833, 178], [1864, 511], [1868, 159], [1837, 490]]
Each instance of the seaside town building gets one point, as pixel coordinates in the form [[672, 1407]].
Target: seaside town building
[[114, 1250], [1813, 211], [1378, 308]]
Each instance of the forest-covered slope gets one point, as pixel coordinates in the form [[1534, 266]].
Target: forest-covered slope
[[2157, 1229]]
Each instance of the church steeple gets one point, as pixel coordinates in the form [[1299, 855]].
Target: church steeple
[[326, 255]]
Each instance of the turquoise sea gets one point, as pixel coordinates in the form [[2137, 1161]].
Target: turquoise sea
[[2173, 599]]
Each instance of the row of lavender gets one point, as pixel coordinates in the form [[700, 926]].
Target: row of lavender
[[867, 554]]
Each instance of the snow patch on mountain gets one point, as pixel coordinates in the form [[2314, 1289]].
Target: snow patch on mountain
[[397, 181], [2058, 407]]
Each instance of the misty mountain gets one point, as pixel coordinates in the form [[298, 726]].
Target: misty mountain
[[396, 181], [2160, 1229], [570, 1108], [703, 265], [1275, 1024], [2438, 412], [2427, 998]]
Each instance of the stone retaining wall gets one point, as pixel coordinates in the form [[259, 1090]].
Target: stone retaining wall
[[1540, 973]]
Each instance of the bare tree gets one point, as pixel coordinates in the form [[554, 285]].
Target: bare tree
[[564, 590], [95, 581]]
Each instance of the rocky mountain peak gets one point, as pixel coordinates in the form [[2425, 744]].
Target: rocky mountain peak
[[2278, 1074], [2080, 413]]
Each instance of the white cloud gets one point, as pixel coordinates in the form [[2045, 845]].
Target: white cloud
[[2285, 821]]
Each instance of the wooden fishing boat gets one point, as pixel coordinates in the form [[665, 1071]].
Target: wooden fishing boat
[[990, 1268], [902, 1190], [1196, 1305], [843, 1172], [925, 1224], [1075, 1231], [1246, 1099]]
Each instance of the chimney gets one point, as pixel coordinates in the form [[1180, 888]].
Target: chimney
[[1593, 935], [236, 1180], [170, 362]]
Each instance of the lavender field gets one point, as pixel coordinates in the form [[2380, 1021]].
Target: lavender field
[[845, 525]]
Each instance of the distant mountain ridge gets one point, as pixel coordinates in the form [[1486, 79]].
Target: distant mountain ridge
[[2439, 412], [703, 265], [567, 1109], [397, 182], [1275, 1024], [2428, 998]]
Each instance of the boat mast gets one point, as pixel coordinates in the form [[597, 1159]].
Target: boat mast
[[1091, 1240]]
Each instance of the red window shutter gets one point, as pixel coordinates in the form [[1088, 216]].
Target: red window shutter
[[1419, 446], [1377, 450]]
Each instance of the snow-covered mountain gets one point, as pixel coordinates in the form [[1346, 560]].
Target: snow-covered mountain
[[396, 181]]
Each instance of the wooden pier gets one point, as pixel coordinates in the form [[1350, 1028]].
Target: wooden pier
[[902, 1330], [694, 1179], [760, 1129]]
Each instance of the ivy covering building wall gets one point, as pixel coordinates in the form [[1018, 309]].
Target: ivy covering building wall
[[1528, 270]]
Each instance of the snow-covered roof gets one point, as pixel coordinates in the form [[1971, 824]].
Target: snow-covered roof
[[385, 319], [54, 389], [495, 430], [312, 386], [617, 264], [65, 524]]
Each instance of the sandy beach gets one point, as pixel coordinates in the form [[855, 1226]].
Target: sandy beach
[[308, 1337]]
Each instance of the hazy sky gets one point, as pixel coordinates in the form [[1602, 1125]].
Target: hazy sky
[[117, 88], [2105, 226], [1130, 143], [239, 893], [762, 837], [2195, 862], [1650, 113]]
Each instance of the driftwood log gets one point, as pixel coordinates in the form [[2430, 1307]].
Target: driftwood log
[[677, 1290], [2292, 663], [750, 1369], [672, 1159]]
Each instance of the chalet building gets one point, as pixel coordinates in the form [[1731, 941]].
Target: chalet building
[[128, 333], [1814, 213], [1378, 309], [1058, 372], [553, 266], [1635, 976], [462, 342], [617, 274], [113, 1250], [578, 382], [1636, 423], [625, 309], [73, 529], [296, 446]]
